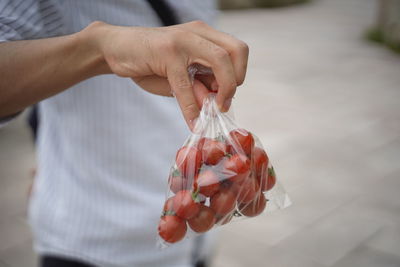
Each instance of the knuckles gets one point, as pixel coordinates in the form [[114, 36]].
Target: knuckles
[[220, 53], [242, 48], [198, 23]]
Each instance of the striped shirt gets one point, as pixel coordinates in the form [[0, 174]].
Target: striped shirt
[[104, 145]]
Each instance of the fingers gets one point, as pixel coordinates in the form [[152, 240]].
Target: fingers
[[202, 51], [208, 80], [200, 92], [160, 86], [237, 49], [154, 84], [180, 83], [198, 43]]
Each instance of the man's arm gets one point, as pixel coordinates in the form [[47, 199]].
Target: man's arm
[[33, 70], [36, 69]]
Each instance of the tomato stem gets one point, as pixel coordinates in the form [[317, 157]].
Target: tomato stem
[[271, 171], [220, 137], [195, 195], [167, 212], [176, 172]]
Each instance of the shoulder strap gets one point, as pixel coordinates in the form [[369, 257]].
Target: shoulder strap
[[164, 11]]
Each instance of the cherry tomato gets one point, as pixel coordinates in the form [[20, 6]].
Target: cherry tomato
[[188, 161], [185, 205], [177, 182], [226, 184], [223, 202], [236, 168], [267, 179], [253, 208], [203, 221], [230, 149], [169, 206], [208, 183], [271, 178], [244, 139], [200, 143], [260, 159], [212, 150], [224, 219], [172, 228], [248, 190]]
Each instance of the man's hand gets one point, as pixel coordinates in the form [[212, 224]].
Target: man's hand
[[158, 58]]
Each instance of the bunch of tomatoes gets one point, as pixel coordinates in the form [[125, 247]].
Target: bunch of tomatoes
[[214, 180]]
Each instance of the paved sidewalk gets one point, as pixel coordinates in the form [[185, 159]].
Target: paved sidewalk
[[326, 104]]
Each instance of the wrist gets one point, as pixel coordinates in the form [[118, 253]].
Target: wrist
[[89, 40]]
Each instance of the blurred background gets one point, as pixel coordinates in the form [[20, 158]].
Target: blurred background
[[323, 95]]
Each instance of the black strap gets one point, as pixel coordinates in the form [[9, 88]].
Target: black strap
[[164, 11], [33, 121], [57, 261]]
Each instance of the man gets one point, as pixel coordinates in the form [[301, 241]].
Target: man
[[105, 145]]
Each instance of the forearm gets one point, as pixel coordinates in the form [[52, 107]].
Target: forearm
[[33, 70]]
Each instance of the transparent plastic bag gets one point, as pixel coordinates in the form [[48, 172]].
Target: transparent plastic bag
[[221, 174]]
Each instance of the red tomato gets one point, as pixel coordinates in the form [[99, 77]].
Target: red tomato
[[236, 168], [188, 161], [172, 228], [212, 150], [248, 190], [169, 206], [243, 139], [203, 221], [226, 184], [268, 179], [177, 182], [253, 208], [234, 187], [200, 143], [224, 219], [229, 149], [223, 202], [260, 159], [271, 178], [208, 183], [184, 204]]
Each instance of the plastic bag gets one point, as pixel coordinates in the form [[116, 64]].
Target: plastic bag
[[221, 174]]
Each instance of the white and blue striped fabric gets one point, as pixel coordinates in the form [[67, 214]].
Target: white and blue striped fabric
[[104, 146]]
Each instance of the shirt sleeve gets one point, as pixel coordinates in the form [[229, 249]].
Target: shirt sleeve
[[25, 20], [29, 19]]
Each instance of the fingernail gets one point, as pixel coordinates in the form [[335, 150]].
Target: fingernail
[[226, 105]]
